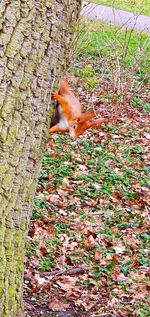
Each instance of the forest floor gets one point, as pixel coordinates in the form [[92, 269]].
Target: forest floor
[[87, 247]]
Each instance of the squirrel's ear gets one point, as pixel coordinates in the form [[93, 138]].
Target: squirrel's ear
[[86, 116]]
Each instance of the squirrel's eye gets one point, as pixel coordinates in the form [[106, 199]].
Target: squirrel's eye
[[74, 126]]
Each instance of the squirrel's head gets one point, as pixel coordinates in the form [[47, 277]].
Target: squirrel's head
[[80, 124]]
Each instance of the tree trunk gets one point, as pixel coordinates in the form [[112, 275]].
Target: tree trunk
[[34, 35]]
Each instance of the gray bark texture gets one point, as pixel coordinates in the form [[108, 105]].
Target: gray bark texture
[[34, 37]]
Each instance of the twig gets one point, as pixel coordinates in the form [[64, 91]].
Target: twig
[[73, 271]]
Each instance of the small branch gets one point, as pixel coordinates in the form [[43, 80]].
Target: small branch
[[73, 271]]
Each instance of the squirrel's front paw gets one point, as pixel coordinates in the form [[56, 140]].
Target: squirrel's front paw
[[55, 95]]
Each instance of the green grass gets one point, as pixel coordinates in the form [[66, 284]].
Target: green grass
[[101, 40], [135, 6], [106, 52]]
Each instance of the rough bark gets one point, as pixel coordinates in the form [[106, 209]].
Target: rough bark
[[34, 35]]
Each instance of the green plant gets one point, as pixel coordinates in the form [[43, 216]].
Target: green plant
[[46, 263], [136, 6], [114, 54]]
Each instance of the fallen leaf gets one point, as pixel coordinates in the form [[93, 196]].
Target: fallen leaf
[[67, 282], [98, 256], [119, 249]]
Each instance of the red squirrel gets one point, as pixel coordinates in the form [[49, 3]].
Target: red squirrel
[[68, 115]]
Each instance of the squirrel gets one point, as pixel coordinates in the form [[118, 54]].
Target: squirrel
[[68, 116]]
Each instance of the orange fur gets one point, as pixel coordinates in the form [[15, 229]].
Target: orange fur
[[69, 116], [78, 128]]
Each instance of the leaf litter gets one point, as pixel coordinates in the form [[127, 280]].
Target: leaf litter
[[87, 247]]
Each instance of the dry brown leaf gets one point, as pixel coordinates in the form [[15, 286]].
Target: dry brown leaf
[[98, 256], [57, 305], [67, 282], [91, 243]]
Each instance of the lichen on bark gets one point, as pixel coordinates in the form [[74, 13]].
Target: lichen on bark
[[34, 35]]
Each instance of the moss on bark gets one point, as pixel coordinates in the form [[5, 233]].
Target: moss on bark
[[33, 40]]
